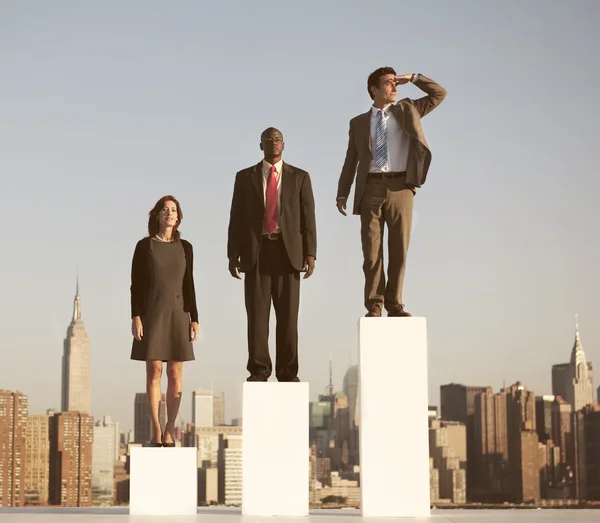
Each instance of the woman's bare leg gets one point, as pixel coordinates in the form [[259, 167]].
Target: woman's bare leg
[[174, 391], [153, 375]]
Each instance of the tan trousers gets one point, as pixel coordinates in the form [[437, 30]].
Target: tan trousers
[[385, 202]]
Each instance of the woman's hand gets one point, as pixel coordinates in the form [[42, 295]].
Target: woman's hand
[[194, 331], [137, 328]]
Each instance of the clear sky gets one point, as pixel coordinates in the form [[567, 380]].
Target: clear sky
[[106, 106]]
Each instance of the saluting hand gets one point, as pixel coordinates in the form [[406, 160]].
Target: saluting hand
[[403, 79], [137, 329]]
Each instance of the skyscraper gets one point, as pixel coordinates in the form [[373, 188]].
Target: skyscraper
[[523, 445], [582, 375], [208, 409], [573, 381], [490, 480], [590, 423], [105, 452], [13, 424], [219, 410], [76, 386], [458, 404], [543, 416], [71, 436], [37, 471]]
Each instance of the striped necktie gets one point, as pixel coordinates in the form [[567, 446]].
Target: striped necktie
[[381, 149]]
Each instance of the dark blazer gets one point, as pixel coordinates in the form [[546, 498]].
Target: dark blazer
[[139, 274], [296, 217], [408, 112]]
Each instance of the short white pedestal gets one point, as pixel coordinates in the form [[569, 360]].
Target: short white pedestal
[[394, 440], [275, 463], [163, 481]]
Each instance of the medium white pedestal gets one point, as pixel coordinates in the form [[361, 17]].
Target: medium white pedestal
[[163, 481], [275, 463], [394, 439]]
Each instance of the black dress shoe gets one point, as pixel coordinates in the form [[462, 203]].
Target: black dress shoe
[[256, 378], [156, 444]]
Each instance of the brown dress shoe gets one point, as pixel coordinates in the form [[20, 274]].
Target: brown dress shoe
[[398, 312], [374, 312]]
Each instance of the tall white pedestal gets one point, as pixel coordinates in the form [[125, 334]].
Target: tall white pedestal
[[275, 463], [163, 481], [394, 439]]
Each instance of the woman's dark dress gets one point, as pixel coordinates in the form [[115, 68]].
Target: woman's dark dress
[[166, 326]]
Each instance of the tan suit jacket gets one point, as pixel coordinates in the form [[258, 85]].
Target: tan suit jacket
[[408, 112]]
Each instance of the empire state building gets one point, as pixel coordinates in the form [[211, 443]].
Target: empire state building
[[76, 386]]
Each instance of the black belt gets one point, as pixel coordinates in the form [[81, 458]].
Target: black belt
[[272, 236], [383, 176]]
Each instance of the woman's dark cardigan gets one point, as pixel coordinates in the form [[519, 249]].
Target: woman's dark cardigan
[[139, 275]]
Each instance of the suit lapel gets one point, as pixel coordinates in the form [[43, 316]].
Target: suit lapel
[[365, 126], [287, 182], [258, 182]]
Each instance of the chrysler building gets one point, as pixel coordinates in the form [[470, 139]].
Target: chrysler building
[[76, 386], [574, 381], [581, 387]]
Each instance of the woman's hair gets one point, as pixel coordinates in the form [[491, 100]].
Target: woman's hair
[[153, 226]]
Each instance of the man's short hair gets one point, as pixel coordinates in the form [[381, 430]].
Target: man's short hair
[[373, 80]]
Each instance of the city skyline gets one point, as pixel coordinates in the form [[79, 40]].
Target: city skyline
[[576, 357], [94, 130], [514, 445]]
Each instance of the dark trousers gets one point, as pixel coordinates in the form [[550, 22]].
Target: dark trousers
[[273, 278]]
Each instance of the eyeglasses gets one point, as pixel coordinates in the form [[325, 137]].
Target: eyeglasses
[[275, 139]]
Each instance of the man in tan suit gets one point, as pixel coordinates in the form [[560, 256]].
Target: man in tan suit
[[389, 156]]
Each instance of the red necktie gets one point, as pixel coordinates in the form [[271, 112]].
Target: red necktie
[[271, 203]]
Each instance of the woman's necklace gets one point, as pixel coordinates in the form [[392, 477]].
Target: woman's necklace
[[161, 239]]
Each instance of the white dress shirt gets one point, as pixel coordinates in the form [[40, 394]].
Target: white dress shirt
[[266, 171], [397, 142]]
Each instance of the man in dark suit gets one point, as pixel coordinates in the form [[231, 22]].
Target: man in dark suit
[[272, 239], [389, 156]]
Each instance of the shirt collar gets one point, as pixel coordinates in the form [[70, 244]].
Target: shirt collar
[[267, 166], [375, 110]]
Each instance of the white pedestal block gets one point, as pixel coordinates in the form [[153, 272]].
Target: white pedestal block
[[394, 439], [163, 481], [275, 463]]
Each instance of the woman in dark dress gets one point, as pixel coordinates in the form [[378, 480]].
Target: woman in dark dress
[[164, 317]]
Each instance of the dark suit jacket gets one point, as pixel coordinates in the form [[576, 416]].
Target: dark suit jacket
[[139, 278], [296, 217], [408, 113]]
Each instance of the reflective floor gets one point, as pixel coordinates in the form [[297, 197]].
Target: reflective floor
[[225, 515]]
